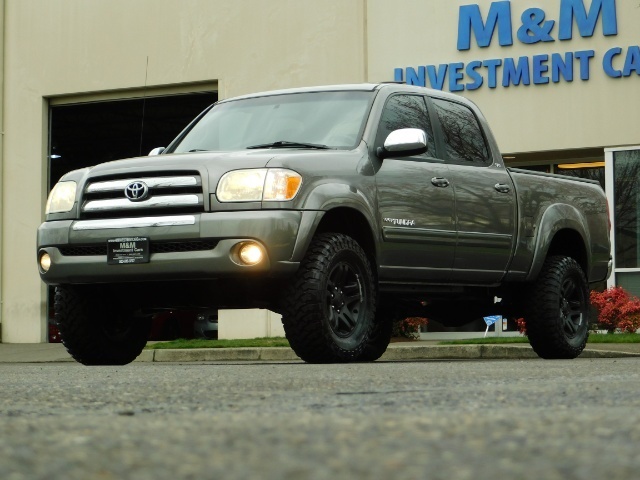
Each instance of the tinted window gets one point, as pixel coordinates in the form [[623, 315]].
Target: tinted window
[[406, 111], [462, 134]]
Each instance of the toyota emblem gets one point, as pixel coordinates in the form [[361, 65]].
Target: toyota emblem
[[136, 191]]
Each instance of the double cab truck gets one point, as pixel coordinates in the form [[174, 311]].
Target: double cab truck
[[343, 208]]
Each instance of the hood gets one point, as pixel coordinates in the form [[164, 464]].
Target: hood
[[200, 161]]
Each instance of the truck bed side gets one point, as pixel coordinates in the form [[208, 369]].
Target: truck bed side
[[558, 214]]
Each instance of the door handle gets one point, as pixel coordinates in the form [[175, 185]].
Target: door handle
[[502, 188], [440, 182]]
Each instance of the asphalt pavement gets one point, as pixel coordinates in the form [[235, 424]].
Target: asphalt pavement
[[411, 420], [414, 350]]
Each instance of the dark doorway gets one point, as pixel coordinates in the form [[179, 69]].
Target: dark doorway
[[86, 134]]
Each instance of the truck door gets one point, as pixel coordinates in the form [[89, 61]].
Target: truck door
[[415, 201], [484, 197]]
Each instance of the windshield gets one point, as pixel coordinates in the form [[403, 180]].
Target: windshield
[[297, 120]]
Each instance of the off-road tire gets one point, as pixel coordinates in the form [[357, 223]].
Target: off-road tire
[[96, 331], [328, 308], [558, 309], [380, 337]]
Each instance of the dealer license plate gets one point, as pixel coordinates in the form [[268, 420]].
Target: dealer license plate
[[127, 250]]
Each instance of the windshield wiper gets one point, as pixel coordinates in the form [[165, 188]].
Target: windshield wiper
[[287, 144]]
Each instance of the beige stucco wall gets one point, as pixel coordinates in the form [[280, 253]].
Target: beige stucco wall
[[596, 113], [68, 47], [64, 50]]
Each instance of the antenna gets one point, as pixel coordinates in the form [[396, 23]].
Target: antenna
[[144, 103]]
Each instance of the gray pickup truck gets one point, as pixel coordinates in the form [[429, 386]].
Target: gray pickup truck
[[342, 208]]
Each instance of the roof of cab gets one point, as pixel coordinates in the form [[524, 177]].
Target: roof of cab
[[353, 87]]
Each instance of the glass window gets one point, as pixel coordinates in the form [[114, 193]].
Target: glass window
[[626, 171], [462, 134], [406, 111], [535, 168], [333, 119], [590, 171]]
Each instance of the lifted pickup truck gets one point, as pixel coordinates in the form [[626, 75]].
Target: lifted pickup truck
[[342, 208]]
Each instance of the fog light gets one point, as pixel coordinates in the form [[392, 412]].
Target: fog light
[[45, 262], [250, 254]]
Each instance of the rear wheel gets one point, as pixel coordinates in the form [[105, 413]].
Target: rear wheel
[[96, 331], [558, 309], [329, 306]]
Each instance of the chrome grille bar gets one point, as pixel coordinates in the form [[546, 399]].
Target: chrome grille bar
[[153, 202], [151, 182], [134, 222]]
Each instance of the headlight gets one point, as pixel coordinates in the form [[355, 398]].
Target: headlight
[[61, 198], [259, 184]]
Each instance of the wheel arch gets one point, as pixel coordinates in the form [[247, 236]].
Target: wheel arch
[[562, 231], [353, 223], [340, 208]]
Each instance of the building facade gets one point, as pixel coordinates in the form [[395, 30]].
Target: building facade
[[83, 82]]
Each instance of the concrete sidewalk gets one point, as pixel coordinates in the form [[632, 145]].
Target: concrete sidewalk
[[418, 350]]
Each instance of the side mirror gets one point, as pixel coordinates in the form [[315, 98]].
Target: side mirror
[[404, 143], [156, 151]]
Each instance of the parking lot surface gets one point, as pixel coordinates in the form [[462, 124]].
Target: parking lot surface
[[465, 419]]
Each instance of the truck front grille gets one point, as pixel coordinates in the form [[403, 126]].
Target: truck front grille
[[145, 195], [167, 246]]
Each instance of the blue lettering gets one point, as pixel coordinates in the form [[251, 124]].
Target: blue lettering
[[562, 67], [475, 75], [398, 75], [540, 68], [607, 62], [632, 63], [455, 75], [516, 74], [436, 78], [470, 19], [575, 9], [418, 78], [534, 29], [585, 57], [492, 67]]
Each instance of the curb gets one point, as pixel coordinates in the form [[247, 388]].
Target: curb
[[418, 352]]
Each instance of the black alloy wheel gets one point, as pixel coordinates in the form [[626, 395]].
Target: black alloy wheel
[[344, 295], [557, 313], [328, 309]]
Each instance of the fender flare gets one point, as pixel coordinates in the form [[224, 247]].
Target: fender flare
[[324, 198], [557, 217]]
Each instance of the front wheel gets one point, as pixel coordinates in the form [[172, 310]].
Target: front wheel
[[558, 309], [329, 306], [97, 331], [380, 336]]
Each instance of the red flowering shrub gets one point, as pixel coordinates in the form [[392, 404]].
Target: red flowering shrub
[[522, 326], [617, 309], [409, 327]]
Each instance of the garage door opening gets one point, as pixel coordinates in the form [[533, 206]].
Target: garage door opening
[[86, 134]]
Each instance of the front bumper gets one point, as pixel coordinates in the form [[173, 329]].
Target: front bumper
[[277, 231]]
